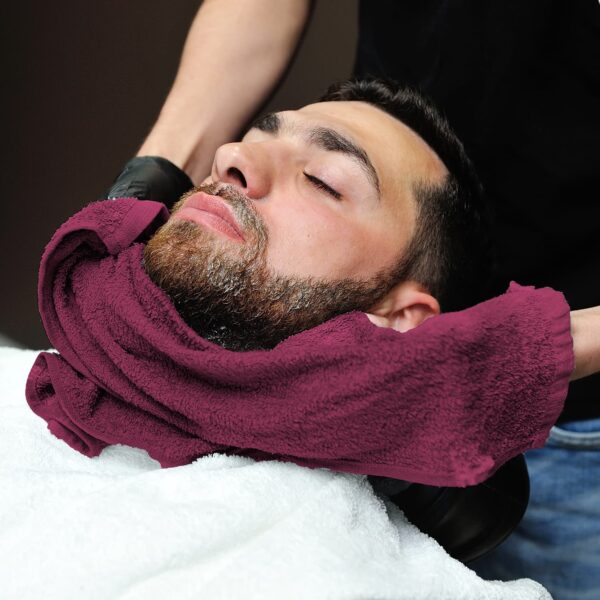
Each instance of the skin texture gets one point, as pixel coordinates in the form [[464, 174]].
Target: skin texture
[[306, 255], [585, 331]]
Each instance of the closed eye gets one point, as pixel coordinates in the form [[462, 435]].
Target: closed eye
[[322, 185]]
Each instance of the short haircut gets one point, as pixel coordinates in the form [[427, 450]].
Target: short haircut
[[451, 252]]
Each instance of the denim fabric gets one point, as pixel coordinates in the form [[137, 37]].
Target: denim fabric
[[558, 541]]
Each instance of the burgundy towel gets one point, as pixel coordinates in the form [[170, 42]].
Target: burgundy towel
[[443, 404]]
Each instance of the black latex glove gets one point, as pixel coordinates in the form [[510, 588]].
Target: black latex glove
[[150, 178]]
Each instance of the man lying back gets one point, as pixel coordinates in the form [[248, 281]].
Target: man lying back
[[364, 200]]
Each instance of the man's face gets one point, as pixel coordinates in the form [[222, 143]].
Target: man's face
[[322, 198]]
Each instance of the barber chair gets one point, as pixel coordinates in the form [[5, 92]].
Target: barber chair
[[467, 522]]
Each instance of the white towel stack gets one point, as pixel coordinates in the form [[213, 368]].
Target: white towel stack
[[119, 527]]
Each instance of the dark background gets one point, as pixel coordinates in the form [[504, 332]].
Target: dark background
[[84, 83]]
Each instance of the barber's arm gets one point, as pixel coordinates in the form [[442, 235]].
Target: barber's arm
[[235, 54], [585, 331]]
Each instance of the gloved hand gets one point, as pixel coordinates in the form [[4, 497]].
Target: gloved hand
[[150, 178]]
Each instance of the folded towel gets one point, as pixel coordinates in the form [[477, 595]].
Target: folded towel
[[118, 527], [443, 404]]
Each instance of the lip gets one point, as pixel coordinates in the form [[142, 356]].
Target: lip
[[216, 206]]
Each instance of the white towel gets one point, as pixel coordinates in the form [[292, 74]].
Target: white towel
[[119, 527]]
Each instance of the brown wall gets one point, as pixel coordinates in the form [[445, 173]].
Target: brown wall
[[84, 83]]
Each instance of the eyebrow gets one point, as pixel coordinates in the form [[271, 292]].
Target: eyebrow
[[325, 138]]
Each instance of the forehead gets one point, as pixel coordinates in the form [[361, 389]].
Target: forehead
[[400, 155]]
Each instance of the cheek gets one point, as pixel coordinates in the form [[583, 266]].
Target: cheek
[[316, 243]]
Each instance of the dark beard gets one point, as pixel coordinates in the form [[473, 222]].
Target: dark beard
[[233, 300]]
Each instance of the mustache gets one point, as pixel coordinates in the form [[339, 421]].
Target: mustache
[[227, 191], [243, 207]]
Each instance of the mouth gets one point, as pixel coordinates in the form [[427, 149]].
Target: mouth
[[217, 213]]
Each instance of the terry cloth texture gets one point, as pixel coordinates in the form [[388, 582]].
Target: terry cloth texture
[[119, 527], [443, 404]]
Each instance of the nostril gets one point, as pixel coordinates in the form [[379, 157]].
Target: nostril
[[237, 174]]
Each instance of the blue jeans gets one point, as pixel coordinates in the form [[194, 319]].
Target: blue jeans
[[558, 541]]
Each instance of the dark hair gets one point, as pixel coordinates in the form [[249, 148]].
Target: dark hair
[[451, 252]]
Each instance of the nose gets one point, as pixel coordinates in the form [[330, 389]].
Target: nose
[[244, 165]]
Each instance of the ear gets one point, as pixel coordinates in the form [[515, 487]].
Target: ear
[[404, 307]]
